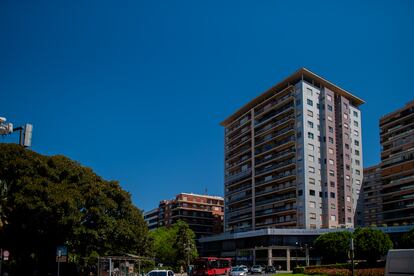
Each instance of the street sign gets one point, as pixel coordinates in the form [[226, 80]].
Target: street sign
[[6, 255], [61, 254]]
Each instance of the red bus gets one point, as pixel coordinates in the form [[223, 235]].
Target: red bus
[[212, 266]]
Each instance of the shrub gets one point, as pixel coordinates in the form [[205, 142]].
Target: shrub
[[299, 270]]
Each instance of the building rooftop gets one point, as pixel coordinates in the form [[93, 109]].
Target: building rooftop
[[207, 196], [292, 79]]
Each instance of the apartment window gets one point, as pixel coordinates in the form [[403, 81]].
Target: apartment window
[[355, 114], [357, 162], [331, 140], [330, 150], [311, 147], [355, 123], [311, 158], [348, 187], [346, 146], [329, 98], [331, 173], [356, 142], [299, 134], [311, 169], [349, 220], [312, 181], [331, 161], [330, 129], [333, 206], [346, 125], [310, 92], [310, 113], [347, 167], [312, 204], [348, 209], [348, 198], [310, 135], [333, 218], [310, 102], [310, 124], [357, 152], [356, 133], [330, 118], [267, 178], [312, 215], [347, 177], [332, 195], [347, 156], [330, 107], [332, 184], [346, 105], [345, 116], [300, 193], [312, 192], [358, 182], [358, 172]]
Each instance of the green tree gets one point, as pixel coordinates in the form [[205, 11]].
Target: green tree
[[51, 201], [371, 244], [185, 243], [333, 247], [407, 240], [163, 241]]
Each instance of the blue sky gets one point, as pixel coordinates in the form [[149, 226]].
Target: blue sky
[[136, 89]]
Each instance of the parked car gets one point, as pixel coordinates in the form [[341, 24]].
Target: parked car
[[256, 269], [245, 268], [160, 273], [238, 271], [270, 269], [400, 262]]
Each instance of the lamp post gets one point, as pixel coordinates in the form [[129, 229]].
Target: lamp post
[[296, 251]]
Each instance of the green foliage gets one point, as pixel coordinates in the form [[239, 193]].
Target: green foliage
[[299, 270], [333, 247], [407, 240], [174, 246], [371, 244], [50, 201]]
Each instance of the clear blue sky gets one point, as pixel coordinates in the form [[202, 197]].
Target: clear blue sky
[[136, 89]]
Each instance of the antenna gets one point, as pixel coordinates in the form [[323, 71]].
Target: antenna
[[205, 191]]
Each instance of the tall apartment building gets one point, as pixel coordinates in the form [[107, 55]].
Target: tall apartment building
[[203, 213], [371, 198], [151, 218], [397, 165], [293, 157]]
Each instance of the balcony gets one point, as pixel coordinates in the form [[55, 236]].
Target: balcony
[[274, 145], [280, 188], [274, 135], [274, 125], [273, 104], [241, 188], [239, 198], [240, 152], [276, 199], [235, 177], [276, 177], [273, 211], [274, 114], [275, 156], [274, 166]]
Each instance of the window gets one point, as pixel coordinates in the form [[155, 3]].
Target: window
[[333, 206], [348, 199], [346, 125], [329, 98], [345, 116], [312, 215], [349, 220], [346, 146], [332, 184], [355, 123], [311, 169], [310, 92], [345, 105], [357, 162], [347, 167], [312, 181], [356, 133], [310, 135], [355, 114], [311, 158], [300, 193], [331, 173], [356, 142], [312, 192], [348, 209], [347, 177], [330, 150], [330, 118], [330, 107], [311, 147], [299, 134], [358, 172], [312, 204], [310, 113], [332, 195], [333, 218], [357, 152], [331, 140], [331, 161], [310, 124], [310, 102], [330, 129]]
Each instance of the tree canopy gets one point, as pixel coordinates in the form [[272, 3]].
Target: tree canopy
[[48, 201], [407, 240], [371, 244], [333, 247]]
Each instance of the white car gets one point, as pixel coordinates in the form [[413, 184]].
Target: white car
[[160, 273], [256, 269], [238, 271], [244, 267]]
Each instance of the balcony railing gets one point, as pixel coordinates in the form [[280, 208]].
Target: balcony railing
[[274, 135], [275, 166], [274, 124], [272, 211], [273, 113], [275, 199], [276, 177], [274, 145], [272, 104], [235, 177], [279, 187], [275, 156]]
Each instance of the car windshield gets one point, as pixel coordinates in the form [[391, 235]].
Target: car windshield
[[238, 269], [256, 266], [157, 273]]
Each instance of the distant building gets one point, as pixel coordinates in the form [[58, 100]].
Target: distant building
[[293, 157], [151, 218], [203, 213], [370, 205], [397, 166]]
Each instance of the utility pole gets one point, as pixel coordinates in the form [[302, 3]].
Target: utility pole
[[352, 256]]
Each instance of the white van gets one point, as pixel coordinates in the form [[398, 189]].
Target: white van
[[400, 262]]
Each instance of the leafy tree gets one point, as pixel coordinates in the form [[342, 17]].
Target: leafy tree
[[407, 240], [50, 201], [163, 241], [185, 243], [371, 244], [333, 247]]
